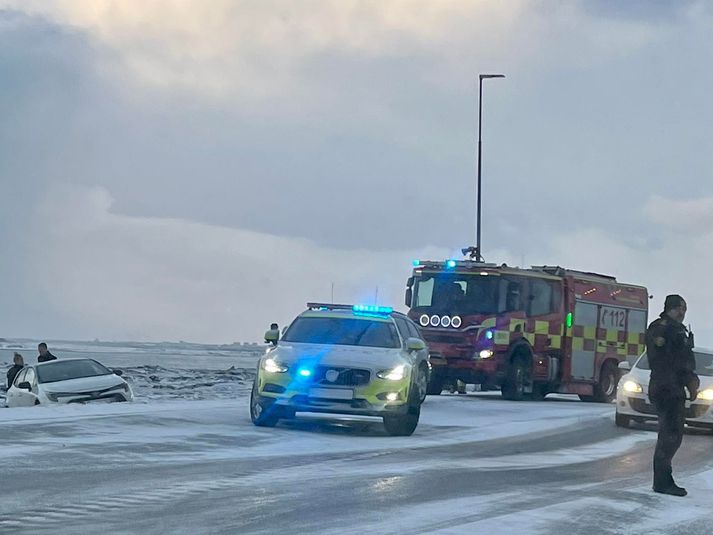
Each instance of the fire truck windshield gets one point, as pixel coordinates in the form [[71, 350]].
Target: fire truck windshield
[[456, 293]]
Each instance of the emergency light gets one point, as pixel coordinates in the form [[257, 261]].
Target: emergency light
[[450, 264], [372, 309]]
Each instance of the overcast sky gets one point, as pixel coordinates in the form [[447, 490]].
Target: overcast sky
[[195, 170]]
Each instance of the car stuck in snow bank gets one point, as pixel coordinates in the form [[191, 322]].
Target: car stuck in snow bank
[[67, 381]]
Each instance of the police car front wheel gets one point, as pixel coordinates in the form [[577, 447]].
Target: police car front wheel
[[263, 414]]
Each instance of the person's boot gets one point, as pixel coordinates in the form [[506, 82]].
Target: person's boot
[[673, 490]]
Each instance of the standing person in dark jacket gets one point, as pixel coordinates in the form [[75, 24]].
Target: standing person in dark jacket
[[45, 354], [669, 347], [19, 363]]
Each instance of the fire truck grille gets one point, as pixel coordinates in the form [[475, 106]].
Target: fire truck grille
[[346, 377], [696, 410]]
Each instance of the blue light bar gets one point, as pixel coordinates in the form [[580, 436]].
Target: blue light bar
[[372, 309], [450, 264], [416, 263], [305, 372], [489, 335]]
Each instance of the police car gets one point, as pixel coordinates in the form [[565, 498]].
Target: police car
[[632, 399], [343, 359]]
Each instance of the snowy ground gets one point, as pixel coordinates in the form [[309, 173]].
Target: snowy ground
[[476, 462]]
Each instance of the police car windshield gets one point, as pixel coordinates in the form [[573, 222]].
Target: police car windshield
[[456, 293], [343, 331], [704, 363], [64, 370]]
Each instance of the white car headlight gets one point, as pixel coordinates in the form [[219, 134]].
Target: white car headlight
[[486, 353], [272, 366], [394, 374], [632, 387], [706, 395]]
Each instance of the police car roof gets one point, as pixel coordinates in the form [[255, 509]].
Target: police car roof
[[369, 312]]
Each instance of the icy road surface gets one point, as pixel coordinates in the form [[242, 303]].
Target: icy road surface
[[475, 463]]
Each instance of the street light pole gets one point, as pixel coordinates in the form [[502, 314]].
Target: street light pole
[[478, 250]]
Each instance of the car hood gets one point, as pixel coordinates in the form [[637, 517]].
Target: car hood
[[642, 377], [84, 384], [338, 356]]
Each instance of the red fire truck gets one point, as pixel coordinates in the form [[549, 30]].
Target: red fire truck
[[528, 332]]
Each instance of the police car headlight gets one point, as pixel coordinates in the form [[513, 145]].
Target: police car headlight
[[485, 354], [706, 395], [633, 387], [394, 374], [272, 366]]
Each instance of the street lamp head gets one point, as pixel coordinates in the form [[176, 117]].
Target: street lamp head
[[482, 76]]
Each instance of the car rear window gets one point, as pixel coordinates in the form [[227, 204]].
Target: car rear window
[[343, 331]]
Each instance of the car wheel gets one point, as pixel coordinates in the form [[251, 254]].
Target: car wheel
[[621, 420], [403, 425], [261, 413], [421, 385], [605, 389]]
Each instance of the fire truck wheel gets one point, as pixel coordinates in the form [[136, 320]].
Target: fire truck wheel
[[435, 386], [539, 392], [605, 389], [514, 386]]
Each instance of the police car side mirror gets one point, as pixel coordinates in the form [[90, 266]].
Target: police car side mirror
[[117, 372], [25, 386], [415, 344], [409, 297], [272, 336], [625, 366]]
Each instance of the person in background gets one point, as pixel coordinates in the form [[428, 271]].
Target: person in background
[[19, 363], [274, 333], [45, 355]]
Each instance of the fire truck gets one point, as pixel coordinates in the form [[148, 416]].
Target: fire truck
[[527, 332]]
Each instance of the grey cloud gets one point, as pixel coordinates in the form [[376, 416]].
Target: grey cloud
[[361, 147]]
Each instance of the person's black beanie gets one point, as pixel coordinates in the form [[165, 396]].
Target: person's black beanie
[[673, 301]]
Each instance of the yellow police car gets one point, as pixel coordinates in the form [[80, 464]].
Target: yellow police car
[[344, 359]]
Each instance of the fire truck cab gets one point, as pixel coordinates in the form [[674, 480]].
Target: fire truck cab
[[527, 332]]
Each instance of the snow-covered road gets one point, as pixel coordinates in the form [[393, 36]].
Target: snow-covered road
[[475, 462]]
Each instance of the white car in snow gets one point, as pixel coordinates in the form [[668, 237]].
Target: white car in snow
[[632, 397], [67, 381]]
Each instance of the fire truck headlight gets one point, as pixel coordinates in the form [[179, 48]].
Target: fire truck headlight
[[632, 387], [486, 353]]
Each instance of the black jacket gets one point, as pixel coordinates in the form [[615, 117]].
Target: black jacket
[[670, 351], [12, 373], [46, 358]]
